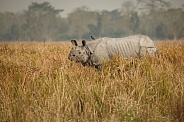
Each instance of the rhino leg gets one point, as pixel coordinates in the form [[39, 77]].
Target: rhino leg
[[142, 51], [98, 67]]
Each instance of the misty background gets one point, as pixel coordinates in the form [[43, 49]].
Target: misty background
[[58, 20]]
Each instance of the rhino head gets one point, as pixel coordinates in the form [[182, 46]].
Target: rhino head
[[80, 53]]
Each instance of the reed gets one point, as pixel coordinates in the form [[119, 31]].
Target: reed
[[39, 83]]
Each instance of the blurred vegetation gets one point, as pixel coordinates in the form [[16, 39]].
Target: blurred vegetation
[[42, 22]]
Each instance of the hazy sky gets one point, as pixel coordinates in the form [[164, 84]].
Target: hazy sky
[[69, 5]]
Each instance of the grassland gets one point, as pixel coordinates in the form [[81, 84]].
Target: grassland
[[39, 83]]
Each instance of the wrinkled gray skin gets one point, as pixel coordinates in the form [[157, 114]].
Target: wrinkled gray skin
[[95, 52]]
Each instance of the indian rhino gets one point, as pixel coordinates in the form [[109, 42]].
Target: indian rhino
[[82, 53], [96, 51]]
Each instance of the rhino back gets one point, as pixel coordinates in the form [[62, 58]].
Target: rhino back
[[109, 47], [127, 47], [92, 44], [96, 43]]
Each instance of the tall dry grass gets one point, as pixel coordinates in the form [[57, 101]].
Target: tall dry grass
[[39, 83]]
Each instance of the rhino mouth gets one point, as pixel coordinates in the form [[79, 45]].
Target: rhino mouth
[[74, 60]]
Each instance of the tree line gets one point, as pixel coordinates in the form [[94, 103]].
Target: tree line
[[42, 22]]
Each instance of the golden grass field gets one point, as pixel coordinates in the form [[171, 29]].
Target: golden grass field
[[39, 83]]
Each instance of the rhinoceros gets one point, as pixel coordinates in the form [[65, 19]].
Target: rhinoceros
[[96, 51], [82, 53]]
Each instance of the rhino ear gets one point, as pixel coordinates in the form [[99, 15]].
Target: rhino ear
[[74, 42], [83, 42], [92, 38]]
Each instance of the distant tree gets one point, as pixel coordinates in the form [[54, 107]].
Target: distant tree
[[43, 8], [134, 21], [130, 18], [153, 5], [10, 24], [62, 29], [112, 25], [79, 21], [41, 21], [127, 8], [150, 19], [160, 31], [173, 20], [107, 23], [96, 29]]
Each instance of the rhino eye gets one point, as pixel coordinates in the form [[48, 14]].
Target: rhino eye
[[73, 55], [79, 52]]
